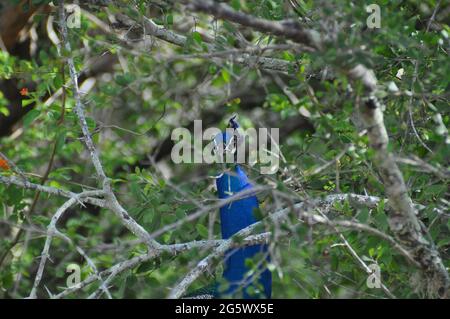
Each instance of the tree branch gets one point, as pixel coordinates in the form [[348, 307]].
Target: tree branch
[[276, 217], [247, 59], [112, 202], [51, 230], [23, 183], [288, 29], [402, 218]]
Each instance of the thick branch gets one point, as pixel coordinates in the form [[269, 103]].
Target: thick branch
[[403, 216], [288, 29]]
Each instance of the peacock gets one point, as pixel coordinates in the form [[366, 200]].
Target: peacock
[[235, 216]]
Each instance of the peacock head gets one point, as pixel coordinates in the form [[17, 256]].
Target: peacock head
[[226, 143]]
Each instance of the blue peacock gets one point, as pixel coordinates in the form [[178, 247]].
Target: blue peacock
[[234, 217]]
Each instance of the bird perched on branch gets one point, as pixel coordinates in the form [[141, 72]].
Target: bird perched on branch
[[234, 217]]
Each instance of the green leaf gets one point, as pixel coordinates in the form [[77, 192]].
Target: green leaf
[[60, 140], [202, 230], [4, 110], [30, 117], [164, 208], [27, 102], [197, 37], [443, 242], [382, 221], [125, 79], [169, 19], [236, 4], [363, 215], [225, 75], [146, 266]]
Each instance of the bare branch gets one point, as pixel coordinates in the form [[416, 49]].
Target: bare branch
[[112, 201], [8, 180], [288, 29], [51, 230], [244, 58], [443, 174], [79, 107]]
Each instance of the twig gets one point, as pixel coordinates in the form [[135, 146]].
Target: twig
[[79, 107], [355, 254], [51, 230], [111, 200]]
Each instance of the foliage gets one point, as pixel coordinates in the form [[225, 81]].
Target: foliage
[[153, 87]]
